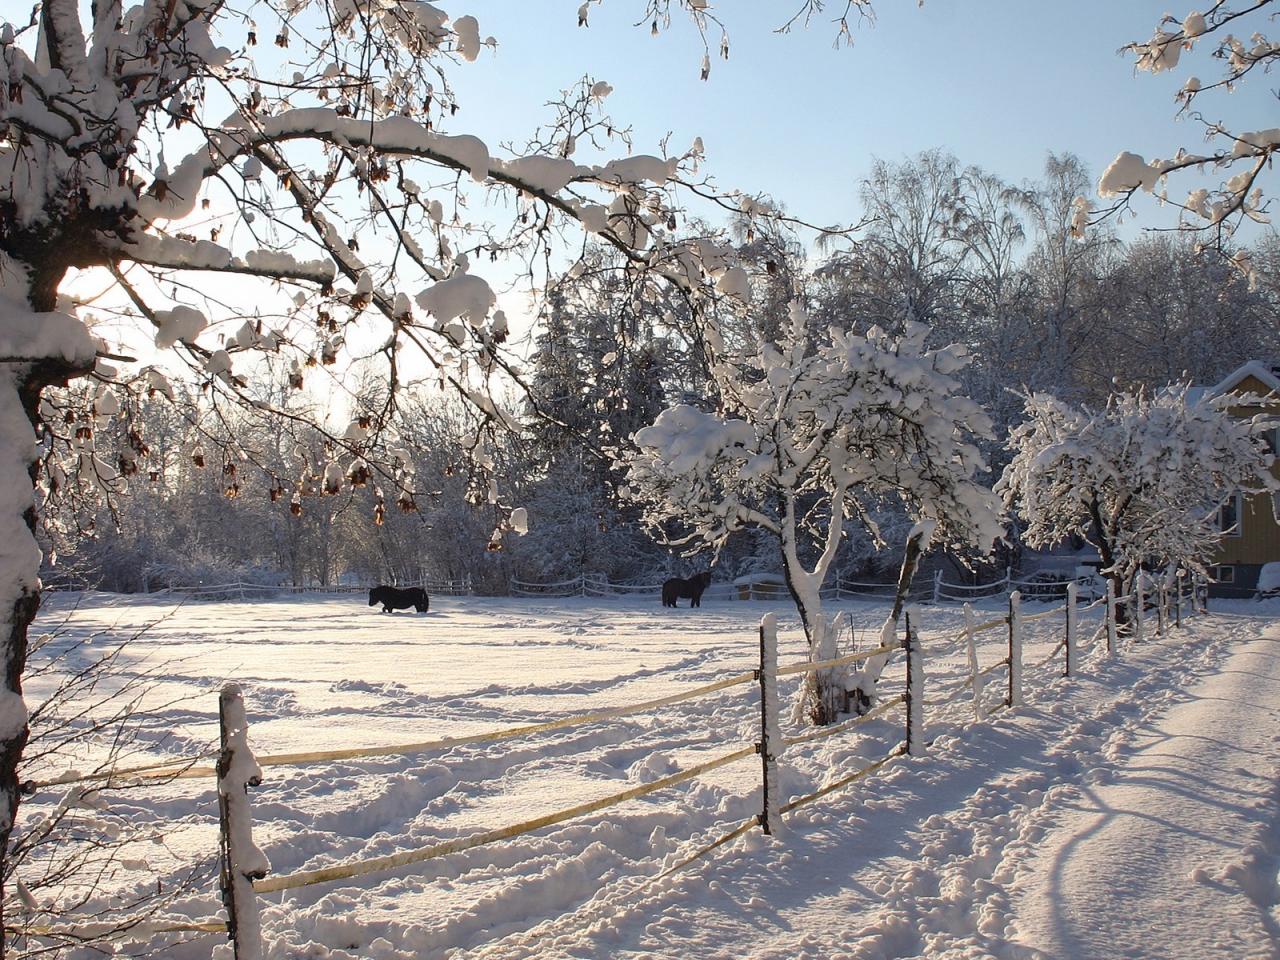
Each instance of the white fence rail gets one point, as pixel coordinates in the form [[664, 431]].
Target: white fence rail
[[240, 590], [937, 590]]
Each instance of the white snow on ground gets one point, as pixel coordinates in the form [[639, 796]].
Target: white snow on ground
[[986, 847]]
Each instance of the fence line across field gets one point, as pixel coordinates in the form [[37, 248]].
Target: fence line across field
[[460, 587], [597, 585], [186, 769], [240, 885]]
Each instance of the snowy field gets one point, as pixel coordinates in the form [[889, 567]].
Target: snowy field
[[966, 853]]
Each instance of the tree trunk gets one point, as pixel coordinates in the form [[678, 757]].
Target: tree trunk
[[864, 697], [821, 696], [21, 384], [20, 557]]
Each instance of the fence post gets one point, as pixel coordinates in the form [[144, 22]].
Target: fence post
[[770, 745], [1162, 608], [1111, 617], [1014, 699], [1073, 590], [1177, 598], [937, 586], [1139, 605], [240, 861], [915, 691], [974, 672]]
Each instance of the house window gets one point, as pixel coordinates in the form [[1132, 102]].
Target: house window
[[1230, 516], [1272, 439], [1224, 574]]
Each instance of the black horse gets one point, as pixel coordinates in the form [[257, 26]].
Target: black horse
[[675, 588], [393, 598]]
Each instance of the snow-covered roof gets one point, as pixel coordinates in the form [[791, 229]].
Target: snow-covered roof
[[1265, 372], [749, 579]]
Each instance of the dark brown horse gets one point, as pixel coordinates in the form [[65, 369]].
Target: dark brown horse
[[692, 589], [393, 598]]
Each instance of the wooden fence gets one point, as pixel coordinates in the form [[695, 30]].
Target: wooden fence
[[240, 590], [243, 872], [937, 590]]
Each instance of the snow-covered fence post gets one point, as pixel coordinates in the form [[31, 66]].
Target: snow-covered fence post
[[1014, 698], [1177, 598], [770, 731], [1139, 606], [1162, 607], [241, 860], [1073, 590], [1111, 617], [915, 690], [937, 586], [974, 673]]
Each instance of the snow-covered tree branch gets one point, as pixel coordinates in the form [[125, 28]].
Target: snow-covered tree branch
[[1233, 34]]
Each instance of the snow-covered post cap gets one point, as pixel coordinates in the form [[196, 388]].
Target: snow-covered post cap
[[1073, 591]]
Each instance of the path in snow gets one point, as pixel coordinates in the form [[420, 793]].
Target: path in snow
[[960, 855], [1176, 856]]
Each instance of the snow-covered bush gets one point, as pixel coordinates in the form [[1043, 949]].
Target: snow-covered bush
[[815, 433], [1142, 479]]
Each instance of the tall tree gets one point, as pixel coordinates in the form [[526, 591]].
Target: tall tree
[[325, 207]]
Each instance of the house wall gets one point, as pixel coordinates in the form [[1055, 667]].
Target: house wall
[[1259, 539]]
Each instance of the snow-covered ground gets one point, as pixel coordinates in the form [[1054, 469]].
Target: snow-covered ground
[[1129, 812]]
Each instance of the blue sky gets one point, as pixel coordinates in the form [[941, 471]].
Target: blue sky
[[997, 82]]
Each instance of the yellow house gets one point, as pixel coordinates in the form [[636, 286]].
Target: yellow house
[[1252, 533]]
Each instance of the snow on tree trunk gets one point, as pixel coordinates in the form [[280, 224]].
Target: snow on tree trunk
[[917, 542], [820, 696], [770, 728], [243, 862], [36, 349], [19, 589], [1139, 602]]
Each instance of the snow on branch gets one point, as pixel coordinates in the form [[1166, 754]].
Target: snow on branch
[[1241, 156]]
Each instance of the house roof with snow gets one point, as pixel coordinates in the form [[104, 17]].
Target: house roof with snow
[[1266, 373]]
